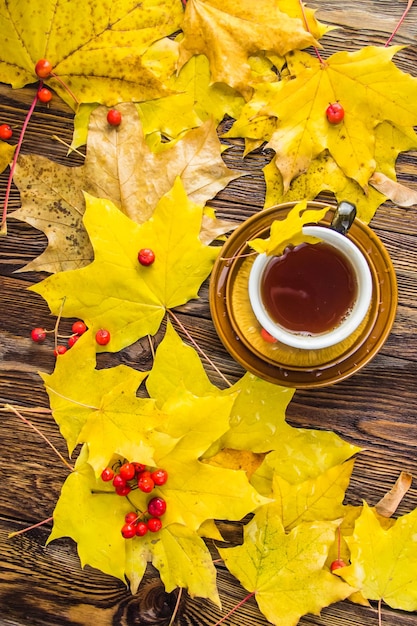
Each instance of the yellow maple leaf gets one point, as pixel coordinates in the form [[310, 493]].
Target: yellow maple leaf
[[384, 560], [95, 49], [289, 230], [229, 31], [371, 90]]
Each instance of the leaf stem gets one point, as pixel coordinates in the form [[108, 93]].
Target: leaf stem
[[64, 143], [400, 21], [65, 86], [25, 530], [238, 605], [60, 395], [195, 344], [3, 228], [318, 55], [26, 421]]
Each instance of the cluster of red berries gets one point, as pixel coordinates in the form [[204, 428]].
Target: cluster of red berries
[[128, 476], [38, 335]]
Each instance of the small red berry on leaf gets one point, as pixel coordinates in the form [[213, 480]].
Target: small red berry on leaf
[[38, 334], [114, 117], [44, 95], [146, 256], [128, 531], [119, 481], [102, 337], [335, 113], [131, 518], [141, 529], [337, 564], [5, 132], [159, 477], [123, 491], [107, 474], [145, 482], [127, 471], [157, 507], [43, 68], [79, 327], [154, 524]]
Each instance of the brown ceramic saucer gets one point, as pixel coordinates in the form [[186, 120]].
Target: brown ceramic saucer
[[239, 330]]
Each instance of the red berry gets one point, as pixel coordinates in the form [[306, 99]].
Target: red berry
[[102, 337], [79, 328], [5, 132], [38, 334], [157, 507], [129, 531], [44, 95], [72, 340], [127, 471], [118, 481], [146, 256], [107, 474], [154, 524], [159, 477], [114, 117], [266, 336], [123, 491], [145, 482], [43, 68], [141, 529], [139, 467], [335, 113], [131, 518], [337, 564], [60, 350]]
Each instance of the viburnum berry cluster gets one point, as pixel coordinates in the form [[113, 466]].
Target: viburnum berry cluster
[[127, 476], [39, 334]]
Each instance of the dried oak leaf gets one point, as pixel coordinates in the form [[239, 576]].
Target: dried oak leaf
[[229, 31], [119, 166], [384, 560], [95, 48], [285, 571], [371, 90], [115, 291]]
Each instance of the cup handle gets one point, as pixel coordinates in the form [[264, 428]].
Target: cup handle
[[343, 217]]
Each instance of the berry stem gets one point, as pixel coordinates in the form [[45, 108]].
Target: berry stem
[[176, 607], [238, 605], [195, 344], [320, 58], [3, 228], [64, 143], [400, 21], [26, 421], [67, 89], [25, 530]]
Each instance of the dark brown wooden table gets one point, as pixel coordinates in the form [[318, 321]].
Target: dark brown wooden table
[[376, 408]]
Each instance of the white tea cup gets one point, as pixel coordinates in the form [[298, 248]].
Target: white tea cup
[[358, 266]]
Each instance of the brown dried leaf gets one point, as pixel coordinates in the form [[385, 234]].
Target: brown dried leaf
[[398, 193], [120, 167], [389, 503]]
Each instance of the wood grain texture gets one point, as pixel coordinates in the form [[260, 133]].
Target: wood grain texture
[[375, 409]]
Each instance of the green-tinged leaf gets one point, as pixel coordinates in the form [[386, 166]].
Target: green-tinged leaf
[[299, 454], [384, 560], [115, 291], [289, 230], [318, 498], [285, 571]]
